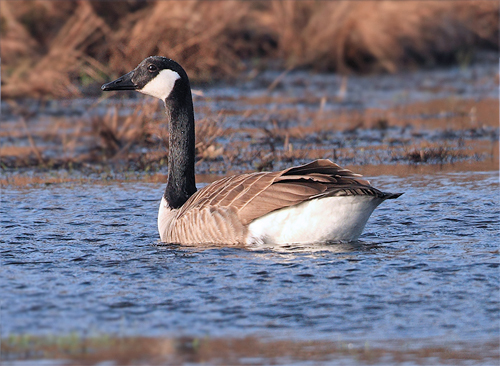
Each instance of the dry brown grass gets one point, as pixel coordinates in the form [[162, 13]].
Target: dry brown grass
[[57, 48], [52, 70], [433, 154], [135, 140], [118, 134], [138, 140], [207, 132], [74, 350], [382, 35], [197, 34]]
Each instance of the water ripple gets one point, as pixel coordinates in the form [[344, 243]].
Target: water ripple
[[427, 266]]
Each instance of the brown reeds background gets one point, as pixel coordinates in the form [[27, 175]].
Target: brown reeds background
[[64, 48]]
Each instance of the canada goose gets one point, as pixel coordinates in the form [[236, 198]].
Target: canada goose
[[312, 203]]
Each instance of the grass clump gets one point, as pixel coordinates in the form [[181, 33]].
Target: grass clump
[[439, 154], [75, 350], [368, 36], [64, 49]]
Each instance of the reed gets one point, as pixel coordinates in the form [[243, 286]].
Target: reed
[[367, 36], [61, 49]]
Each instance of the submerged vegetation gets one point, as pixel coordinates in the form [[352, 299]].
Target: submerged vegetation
[[137, 141], [63, 48], [55, 50]]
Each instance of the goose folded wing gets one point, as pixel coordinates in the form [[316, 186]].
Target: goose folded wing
[[253, 195]]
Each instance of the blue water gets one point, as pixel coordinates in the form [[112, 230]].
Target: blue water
[[85, 258]]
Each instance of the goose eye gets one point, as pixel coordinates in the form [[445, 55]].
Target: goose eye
[[152, 68]]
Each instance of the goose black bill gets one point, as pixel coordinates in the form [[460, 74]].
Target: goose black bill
[[122, 83]]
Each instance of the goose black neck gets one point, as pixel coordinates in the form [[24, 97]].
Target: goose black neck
[[181, 154]]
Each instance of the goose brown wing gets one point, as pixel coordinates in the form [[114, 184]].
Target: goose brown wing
[[253, 195], [212, 214], [320, 178]]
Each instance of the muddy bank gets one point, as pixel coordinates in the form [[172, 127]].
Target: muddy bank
[[73, 350]]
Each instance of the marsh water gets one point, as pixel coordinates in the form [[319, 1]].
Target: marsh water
[[81, 255], [86, 258]]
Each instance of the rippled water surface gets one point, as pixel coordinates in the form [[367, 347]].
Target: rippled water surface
[[85, 258]]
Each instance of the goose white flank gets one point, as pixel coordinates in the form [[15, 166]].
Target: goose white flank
[[313, 203]]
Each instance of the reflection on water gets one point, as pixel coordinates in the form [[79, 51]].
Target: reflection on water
[[85, 258], [333, 247]]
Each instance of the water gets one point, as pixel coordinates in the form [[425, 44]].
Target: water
[[85, 258]]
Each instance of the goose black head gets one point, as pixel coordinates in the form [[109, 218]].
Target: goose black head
[[156, 76]]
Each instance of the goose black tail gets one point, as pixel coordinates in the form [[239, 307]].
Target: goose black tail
[[391, 196]]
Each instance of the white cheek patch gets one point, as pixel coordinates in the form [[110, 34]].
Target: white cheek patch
[[161, 86]]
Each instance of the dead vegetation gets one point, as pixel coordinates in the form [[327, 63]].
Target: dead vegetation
[[131, 135], [74, 350], [63, 49], [51, 64], [382, 35], [208, 133], [137, 140], [433, 154]]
